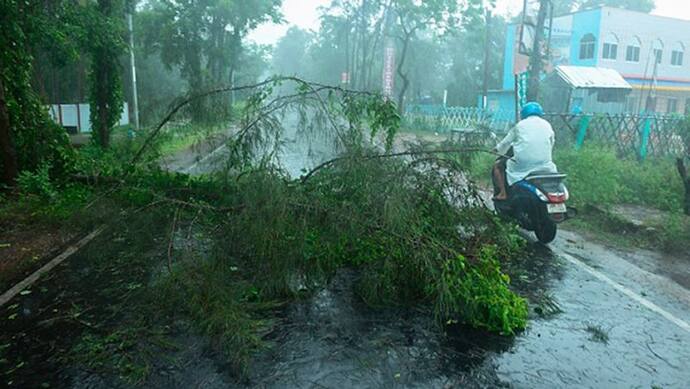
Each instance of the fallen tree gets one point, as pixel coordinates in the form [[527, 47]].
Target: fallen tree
[[248, 236]]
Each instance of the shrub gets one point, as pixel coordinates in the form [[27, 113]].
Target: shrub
[[596, 176], [37, 183]]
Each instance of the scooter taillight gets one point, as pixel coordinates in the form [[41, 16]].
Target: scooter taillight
[[557, 198]]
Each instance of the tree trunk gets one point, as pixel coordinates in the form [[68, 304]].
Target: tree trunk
[[103, 131], [683, 171], [10, 170], [403, 75], [536, 60]]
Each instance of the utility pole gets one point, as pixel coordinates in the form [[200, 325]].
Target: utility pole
[[536, 59], [487, 50], [135, 97]]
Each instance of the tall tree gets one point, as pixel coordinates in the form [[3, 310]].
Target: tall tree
[[412, 18], [105, 43], [204, 38], [290, 53], [27, 135], [9, 154], [468, 48]]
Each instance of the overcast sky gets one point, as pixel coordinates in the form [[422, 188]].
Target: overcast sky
[[305, 14]]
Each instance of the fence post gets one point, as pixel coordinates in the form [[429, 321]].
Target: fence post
[[646, 131], [582, 132]]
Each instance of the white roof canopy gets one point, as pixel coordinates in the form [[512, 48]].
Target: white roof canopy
[[592, 78]]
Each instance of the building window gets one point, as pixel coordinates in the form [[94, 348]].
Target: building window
[[677, 55], [677, 58], [610, 51], [672, 106], [610, 47], [632, 53], [587, 44]]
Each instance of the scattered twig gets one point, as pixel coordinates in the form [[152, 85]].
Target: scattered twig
[[172, 239], [189, 231]]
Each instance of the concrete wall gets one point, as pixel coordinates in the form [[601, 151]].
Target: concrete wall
[[509, 57], [587, 22]]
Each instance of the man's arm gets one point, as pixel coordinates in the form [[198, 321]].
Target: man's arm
[[507, 142]]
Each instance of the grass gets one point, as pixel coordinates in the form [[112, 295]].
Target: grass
[[186, 136], [598, 180], [598, 176]]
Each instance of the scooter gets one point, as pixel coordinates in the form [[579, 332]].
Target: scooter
[[537, 203]]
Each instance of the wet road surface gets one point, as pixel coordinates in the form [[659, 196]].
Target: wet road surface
[[600, 318]]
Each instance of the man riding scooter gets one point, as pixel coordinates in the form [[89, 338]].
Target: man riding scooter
[[531, 140]]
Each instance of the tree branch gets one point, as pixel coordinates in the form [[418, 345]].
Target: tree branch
[[401, 154]]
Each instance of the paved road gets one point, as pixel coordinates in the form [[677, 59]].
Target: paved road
[[638, 302]]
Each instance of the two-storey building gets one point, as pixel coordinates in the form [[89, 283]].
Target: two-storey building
[[648, 51]]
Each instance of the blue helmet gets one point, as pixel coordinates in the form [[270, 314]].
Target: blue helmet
[[531, 109]]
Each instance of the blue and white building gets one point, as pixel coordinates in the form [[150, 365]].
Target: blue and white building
[[648, 51]]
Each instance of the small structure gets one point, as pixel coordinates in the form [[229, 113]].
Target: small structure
[[579, 89], [76, 118]]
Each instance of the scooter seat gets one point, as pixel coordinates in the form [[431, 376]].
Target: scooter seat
[[545, 176]]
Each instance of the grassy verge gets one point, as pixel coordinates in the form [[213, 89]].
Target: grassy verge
[[186, 136], [599, 181]]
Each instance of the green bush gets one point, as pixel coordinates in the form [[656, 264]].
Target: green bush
[[37, 183], [596, 176], [478, 291]]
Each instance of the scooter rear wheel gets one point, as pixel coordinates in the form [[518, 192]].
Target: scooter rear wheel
[[546, 231]]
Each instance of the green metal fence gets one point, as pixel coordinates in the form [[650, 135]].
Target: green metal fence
[[446, 119], [640, 136]]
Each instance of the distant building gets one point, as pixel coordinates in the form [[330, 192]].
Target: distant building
[[76, 118], [648, 51]]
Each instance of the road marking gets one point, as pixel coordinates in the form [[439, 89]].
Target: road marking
[[203, 160], [643, 301], [28, 281]]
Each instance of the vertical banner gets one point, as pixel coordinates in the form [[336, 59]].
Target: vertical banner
[[388, 69], [521, 81]]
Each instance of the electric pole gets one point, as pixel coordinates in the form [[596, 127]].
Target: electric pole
[[135, 97], [536, 61], [487, 51]]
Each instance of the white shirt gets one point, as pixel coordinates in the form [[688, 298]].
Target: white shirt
[[532, 140]]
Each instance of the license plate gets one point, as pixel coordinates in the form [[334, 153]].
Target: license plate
[[556, 208]]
